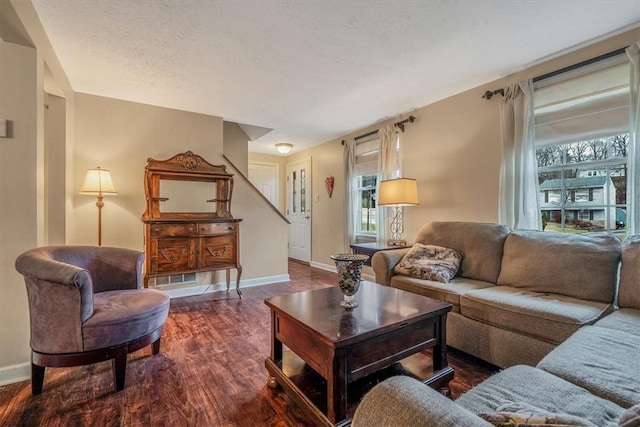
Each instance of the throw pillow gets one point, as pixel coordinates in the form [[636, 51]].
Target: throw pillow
[[630, 417], [430, 262], [519, 414]]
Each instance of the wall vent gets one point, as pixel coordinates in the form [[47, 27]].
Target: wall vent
[[175, 279]]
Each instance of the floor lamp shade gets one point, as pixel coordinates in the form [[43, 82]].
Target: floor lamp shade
[[98, 183], [397, 193]]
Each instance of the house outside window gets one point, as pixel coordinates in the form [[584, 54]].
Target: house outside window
[[582, 138], [586, 195]]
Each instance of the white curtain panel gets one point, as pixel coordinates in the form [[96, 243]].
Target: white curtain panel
[[387, 167], [633, 177], [518, 197], [351, 192]]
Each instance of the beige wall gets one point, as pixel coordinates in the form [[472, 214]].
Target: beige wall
[[23, 171], [120, 136], [281, 161], [55, 138], [19, 222], [235, 143], [453, 150]]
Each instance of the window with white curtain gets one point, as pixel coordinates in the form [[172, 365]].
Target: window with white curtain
[[367, 176], [582, 138]]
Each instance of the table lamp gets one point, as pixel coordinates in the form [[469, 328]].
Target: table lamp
[[397, 193]]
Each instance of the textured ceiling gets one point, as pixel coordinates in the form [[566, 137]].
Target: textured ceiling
[[311, 70]]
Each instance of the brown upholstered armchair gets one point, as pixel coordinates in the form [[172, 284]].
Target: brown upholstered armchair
[[86, 305]]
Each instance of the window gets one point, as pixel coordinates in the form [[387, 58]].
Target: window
[[366, 220], [582, 138], [367, 177]]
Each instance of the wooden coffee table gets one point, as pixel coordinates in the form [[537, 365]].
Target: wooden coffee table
[[346, 345]]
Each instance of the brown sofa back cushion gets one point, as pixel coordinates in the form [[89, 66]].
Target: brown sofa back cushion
[[629, 296], [579, 266], [480, 244]]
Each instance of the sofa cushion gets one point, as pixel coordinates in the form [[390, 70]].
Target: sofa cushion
[[549, 317], [624, 319], [121, 316], [579, 266], [629, 293], [403, 401], [520, 414], [604, 361], [448, 292], [430, 262], [481, 245], [543, 390]]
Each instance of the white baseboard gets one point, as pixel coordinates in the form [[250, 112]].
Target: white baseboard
[[15, 373], [22, 371], [332, 268], [321, 266], [180, 291]]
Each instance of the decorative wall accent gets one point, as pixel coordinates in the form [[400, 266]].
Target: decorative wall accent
[[328, 182]]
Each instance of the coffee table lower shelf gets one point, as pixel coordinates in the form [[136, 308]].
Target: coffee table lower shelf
[[308, 389]]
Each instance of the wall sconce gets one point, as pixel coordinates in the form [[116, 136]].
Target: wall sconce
[[284, 147], [397, 193], [98, 183]]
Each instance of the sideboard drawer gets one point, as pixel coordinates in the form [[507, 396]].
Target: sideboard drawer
[[172, 230], [216, 228], [217, 251], [172, 254]]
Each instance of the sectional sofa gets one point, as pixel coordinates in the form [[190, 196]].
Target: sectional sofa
[[517, 294], [563, 312]]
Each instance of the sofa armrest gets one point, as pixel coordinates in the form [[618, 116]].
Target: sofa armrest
[[403, 401], [383, 262]]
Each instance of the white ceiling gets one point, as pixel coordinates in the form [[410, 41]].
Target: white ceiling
[[311, 70]]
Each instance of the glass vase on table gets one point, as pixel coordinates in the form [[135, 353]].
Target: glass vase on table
[[349, 267]]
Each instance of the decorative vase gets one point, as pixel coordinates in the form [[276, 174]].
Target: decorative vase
[[349, 268]]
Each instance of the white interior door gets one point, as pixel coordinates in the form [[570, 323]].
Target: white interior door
[[299, 209], [264, 176]]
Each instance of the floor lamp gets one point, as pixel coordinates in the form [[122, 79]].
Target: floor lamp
[[397, 193], [98, 183]]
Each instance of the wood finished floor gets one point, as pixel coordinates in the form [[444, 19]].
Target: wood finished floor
[[210, 371]]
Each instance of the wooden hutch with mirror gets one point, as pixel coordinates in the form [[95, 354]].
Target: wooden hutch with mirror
[[188, 227]]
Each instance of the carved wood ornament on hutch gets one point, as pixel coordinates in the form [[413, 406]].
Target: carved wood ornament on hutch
[[188, 225]]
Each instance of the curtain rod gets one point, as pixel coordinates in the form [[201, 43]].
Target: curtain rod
[[489, 94], [399, 124]]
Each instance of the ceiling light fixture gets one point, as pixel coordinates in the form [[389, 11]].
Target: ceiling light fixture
[[284, 147]]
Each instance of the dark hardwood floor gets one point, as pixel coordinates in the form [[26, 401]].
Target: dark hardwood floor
[[210, 371]]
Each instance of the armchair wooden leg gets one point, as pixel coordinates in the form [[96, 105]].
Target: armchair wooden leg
[[37, 379], [120, 367], [155, 346]]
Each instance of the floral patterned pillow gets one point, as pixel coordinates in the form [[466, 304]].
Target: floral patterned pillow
[[520, 414], [430, 262]]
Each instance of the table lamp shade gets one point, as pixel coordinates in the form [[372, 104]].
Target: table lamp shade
[[98, 182], [398, 192]]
